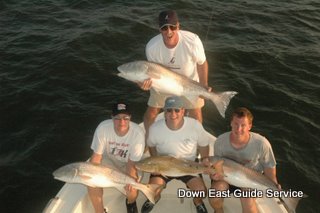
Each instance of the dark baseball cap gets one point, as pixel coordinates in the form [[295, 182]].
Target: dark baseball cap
[[168, 17], [120, 108]]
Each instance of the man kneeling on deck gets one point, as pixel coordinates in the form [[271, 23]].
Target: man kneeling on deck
[[119, 143], [247, 148], [180, 137]]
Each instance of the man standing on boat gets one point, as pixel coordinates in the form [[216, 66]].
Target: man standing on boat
[[248, 148], [179, 137], [119, 143], [182, 52]]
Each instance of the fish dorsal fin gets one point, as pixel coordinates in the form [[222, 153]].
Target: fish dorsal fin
[[85, 177]]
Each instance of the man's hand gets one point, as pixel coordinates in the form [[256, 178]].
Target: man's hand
[[146, 84], [128, 188]]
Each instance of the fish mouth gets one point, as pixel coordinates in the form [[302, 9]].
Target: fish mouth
[[138, 166], [120, 68], [142, 168]]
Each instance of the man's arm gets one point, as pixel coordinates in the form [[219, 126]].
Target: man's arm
[[204, 152], [131, 169], [271, 174], [153, 151], [96, 158], [203, 73]]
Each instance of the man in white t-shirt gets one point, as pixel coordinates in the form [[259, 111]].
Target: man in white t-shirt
[[247, 148], [179, 137], [182, 52], [119, 143]]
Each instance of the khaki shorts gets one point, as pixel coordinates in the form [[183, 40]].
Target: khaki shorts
[[157, 100]]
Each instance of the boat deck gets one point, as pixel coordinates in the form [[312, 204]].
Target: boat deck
[[73, 198]]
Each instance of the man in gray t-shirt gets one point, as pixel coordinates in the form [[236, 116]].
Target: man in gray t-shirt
[[247, 148]]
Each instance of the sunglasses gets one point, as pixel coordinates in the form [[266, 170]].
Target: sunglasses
[[166, 27], [171, 110], [118, 118]]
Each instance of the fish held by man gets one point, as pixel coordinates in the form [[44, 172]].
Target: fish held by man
[[241, 176], [173, 167], [101, 176], [169, 82]]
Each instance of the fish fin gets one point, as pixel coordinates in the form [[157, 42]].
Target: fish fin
[[221, 100], [85, 177], [218, 166], [164, 176], [149, 190], [86, 180]]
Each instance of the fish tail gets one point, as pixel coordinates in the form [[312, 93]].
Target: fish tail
[[149, 190], [221, 100], [291, 202]]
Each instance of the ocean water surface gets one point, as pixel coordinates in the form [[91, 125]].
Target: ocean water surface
[[58, 63]]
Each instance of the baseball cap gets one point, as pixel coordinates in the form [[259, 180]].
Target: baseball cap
[[120, 108], [173, 102], [168, 17]]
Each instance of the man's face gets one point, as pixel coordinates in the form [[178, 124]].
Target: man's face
[[240, 126], [174, 117], [121, 123], [170, 35]]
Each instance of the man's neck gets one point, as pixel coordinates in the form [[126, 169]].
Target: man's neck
[[239, 142]]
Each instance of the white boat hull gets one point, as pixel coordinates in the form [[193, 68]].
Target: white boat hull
[[73, 198]]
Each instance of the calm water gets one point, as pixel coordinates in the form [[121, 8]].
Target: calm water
[[58, 78]]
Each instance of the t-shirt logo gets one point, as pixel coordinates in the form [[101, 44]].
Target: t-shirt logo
[[119, 152], [173, 59]]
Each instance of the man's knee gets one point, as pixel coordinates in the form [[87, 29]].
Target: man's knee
[[217, 202], [197, 184], [220, 185]]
